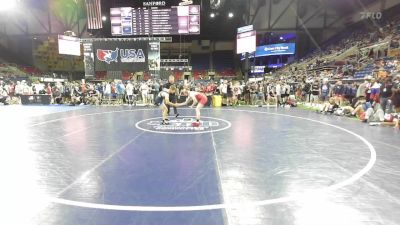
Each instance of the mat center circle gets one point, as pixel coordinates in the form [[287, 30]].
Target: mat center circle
[[183, 125]]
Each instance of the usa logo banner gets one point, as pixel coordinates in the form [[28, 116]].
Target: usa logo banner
[[121, 55], [107, 56]]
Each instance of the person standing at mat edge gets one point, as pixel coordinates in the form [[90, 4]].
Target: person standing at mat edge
[[163, 101], [172, 97]]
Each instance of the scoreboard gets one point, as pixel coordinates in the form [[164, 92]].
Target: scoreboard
[[177, 20]]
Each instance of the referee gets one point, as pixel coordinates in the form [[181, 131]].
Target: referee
[[172, 97]]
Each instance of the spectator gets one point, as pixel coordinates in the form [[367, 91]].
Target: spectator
[[144, 89], [253, 93], [113, 90], [129, 93], [361, 107], [120, 91], [57, 96], [100, 90], [362, 89], [278, 91], [26, 90], [76, 96], [386, 92], [229, 93], [325, 90], [246, 94], [396, 82], [375, 91], [396, 103], [350, 92], [329, 107], [156, 89], [223, 89], [93, 96], [307, 91], [107, 90], [4, 98], [286, 92], [375, 114], [236, 94], [315, 93], [338, 92]]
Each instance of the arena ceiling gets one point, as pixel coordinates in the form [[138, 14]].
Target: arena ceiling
[[50, 17]]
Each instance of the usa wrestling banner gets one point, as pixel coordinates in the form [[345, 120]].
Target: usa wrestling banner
[[121, 55]]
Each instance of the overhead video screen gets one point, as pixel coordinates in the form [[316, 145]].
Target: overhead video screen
[[246, 42], [69, 45], [177, 20]]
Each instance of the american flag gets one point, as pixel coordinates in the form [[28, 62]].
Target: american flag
[[93, 8]]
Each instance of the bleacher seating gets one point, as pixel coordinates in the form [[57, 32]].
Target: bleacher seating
[[47, 56], [11, 70], [7, 56], [200, 61], [223, 60], [367, 71], [30, 70], [101, 75], [198, 74], [227, 73]]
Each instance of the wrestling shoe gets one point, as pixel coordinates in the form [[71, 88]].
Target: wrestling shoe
[[165, 123]]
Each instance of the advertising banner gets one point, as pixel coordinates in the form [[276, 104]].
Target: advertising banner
[[121, 55], [154, 56], [275, 49], [88, 59]]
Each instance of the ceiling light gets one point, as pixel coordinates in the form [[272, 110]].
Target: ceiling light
[[230, 15], [7, 5]]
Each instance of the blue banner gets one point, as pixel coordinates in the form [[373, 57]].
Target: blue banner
[[275, 49]]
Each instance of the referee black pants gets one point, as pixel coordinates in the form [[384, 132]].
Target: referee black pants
[[172, 99]]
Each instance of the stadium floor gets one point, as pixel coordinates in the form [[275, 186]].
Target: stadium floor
[[117, 166]]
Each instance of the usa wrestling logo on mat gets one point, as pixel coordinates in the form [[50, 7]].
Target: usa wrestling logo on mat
[[183, 125]]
